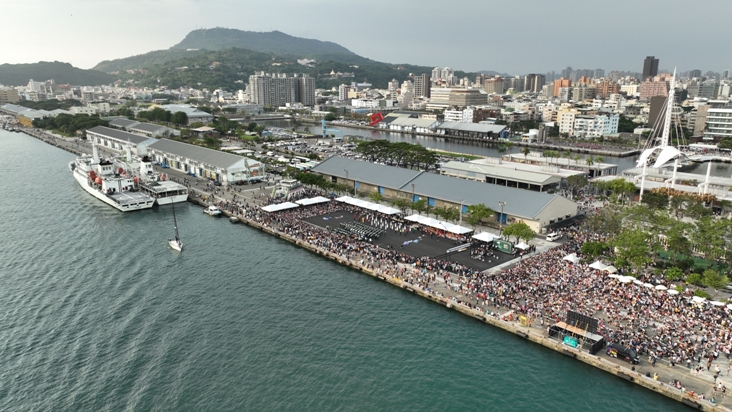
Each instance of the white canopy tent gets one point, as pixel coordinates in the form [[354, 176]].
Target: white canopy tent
[[438, 224], [572, 257], [368, 205], [598, 265], [312, 201], [280, 206], [486, 237], [522, 246], [610, 269]]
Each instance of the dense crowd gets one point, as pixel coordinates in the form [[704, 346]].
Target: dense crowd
[[543, 287]]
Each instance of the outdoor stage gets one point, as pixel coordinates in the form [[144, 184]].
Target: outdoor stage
[[419, 244]]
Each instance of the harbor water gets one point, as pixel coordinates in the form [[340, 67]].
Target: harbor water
[[99, 314]]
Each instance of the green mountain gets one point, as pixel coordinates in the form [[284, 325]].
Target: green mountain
[[19, 74], [273, 42], [230, 69], [225, 58]]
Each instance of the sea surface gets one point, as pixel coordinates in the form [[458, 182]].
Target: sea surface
[[98, 314]]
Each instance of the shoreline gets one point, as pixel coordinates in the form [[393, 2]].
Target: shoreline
[[542, 146], [527, 333]]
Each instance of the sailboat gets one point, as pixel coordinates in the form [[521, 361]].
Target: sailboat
[[175, 243]]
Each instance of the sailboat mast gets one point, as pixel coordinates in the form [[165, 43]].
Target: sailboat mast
[[669, 111], [175, 222]]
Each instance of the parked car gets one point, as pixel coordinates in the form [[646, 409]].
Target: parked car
[[553, 236]]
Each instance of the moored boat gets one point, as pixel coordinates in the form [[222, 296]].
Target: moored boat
[[99, 178], [212, 210]]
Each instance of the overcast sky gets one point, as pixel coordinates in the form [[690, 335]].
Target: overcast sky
[[513, 36]]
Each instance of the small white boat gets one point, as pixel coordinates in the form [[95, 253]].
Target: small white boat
[[176, 243], [234, 219], [212, 210]]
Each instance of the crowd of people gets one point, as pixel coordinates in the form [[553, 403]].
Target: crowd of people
[[543, 287]]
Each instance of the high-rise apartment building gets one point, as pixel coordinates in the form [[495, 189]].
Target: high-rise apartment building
[[650, 88], [494, 85], [534, 82], [278, 89], [9, 95], [650, 67], [694, 73], [605, 88], [422, 85], [560, 83], [436, 73]]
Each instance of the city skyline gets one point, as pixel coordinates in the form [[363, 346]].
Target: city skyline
[[540, 40]]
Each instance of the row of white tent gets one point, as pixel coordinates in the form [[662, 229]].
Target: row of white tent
[[438, 224], [368, 205], [290, 205], [572, 257]]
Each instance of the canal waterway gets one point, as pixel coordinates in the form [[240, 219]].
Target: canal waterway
[[98, 314], [718, 169]]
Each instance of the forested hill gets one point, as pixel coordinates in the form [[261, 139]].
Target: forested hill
[[273, 42], [19, 74], [230, 69]]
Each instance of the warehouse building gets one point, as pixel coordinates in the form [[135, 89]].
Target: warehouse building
[[538, 210]]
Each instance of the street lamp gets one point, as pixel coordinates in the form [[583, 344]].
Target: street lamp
[[502, 204], [461, 212]]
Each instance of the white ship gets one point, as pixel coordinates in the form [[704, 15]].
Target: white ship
[[164, 191], [102, 180], [153, 184]]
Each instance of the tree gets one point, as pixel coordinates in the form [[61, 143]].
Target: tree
[[589, 161], [635, 247], [525, 151], [594, 249], [714, 279], [376, 197], [695, 279], [179, 118], [478, 212], [420, 205], [520, 230], [674, 273], [656, 200], [576, 181], [329, 117], [401, 204]]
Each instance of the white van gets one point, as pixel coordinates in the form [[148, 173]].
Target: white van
[[553, 236]]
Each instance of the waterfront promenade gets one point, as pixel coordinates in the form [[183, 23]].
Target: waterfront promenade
[[450, 288]]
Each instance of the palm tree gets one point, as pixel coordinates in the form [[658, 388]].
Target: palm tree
[[568, 156], [577, 158], [599, 159], [526, 152], [589, 161]]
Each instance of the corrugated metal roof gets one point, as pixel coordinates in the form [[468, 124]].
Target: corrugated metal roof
[[124, 123], [472, 127], [519, 202], [120, 135], [408, 121], [147, 127], [371, 173], [503, 173], [200, 154]]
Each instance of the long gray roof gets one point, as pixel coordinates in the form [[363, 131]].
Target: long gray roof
[[198, 153], [472, 127], [147, 127], [519, 202], [124, 123], [119, 134], [367, 172]]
